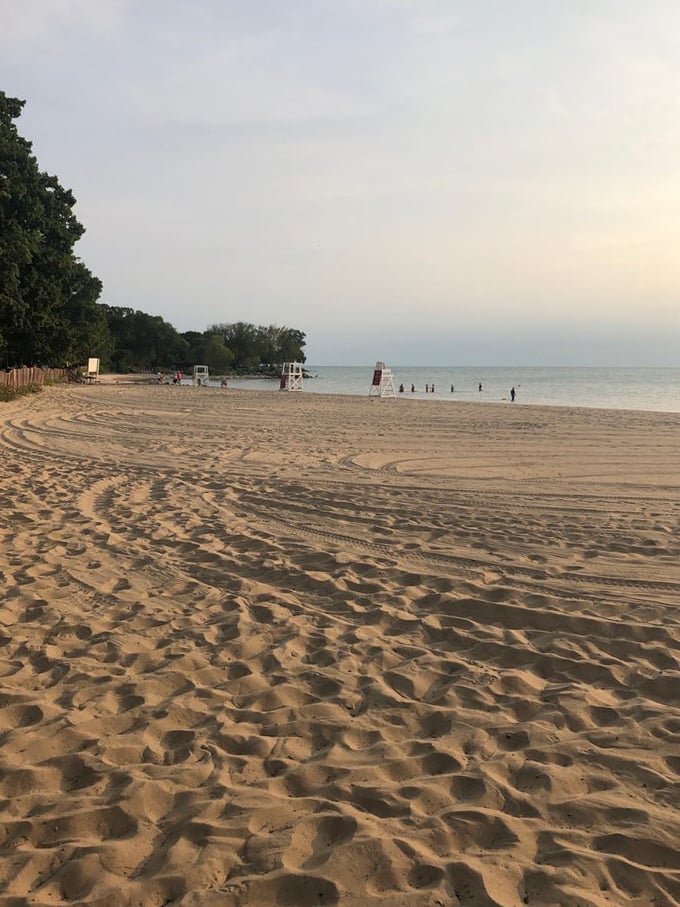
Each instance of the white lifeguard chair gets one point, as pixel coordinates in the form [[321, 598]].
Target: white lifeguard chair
[[382, 384], [92, 373], [291, 377], [201, 375]]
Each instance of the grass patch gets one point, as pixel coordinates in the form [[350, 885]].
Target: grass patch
[[12, 393]]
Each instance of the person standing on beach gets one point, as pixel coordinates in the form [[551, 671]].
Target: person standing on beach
[[512, 394], [480, 387]]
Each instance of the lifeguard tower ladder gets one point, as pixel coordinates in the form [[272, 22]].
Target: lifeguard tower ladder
[[382, 384], [291, 377], [201, 375]]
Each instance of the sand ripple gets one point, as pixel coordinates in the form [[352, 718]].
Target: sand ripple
[[283, 650]]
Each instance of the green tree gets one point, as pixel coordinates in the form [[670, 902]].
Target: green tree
[[218, 357], [291, 346], [142, 341], [48, 311], [196, 341], [253, 346], [242, 339]]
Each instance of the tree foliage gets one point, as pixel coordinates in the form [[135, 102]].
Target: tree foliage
[[146, 342], [141, 341], [48, 310], [253, 346], [218, 357]]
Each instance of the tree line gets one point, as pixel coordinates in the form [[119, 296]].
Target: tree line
[[50, 312], [138, 341]]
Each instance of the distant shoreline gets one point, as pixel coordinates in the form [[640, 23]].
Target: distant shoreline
[[638, 390]]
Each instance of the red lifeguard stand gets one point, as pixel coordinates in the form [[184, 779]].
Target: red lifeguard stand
[[382, 384], [291, 377]]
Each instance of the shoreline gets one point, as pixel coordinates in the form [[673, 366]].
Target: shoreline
[[445, 398], [650, 390], [314, 648]]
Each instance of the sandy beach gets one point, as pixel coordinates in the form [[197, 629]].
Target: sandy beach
[[285, 649]]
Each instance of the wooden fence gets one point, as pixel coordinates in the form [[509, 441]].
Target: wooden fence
[[22, 377]]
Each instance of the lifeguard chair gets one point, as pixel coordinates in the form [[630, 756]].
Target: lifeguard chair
[[201, 375], [92, 373], [382, 384], [291, 377]]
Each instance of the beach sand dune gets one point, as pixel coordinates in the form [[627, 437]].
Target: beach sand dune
[[277, 649]]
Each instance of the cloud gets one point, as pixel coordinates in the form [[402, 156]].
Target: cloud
[[236, 87], [43, 27], [232, 75]]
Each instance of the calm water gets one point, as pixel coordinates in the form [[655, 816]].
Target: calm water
[[654, 389]]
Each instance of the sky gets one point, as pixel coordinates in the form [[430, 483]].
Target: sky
[[427, 182]]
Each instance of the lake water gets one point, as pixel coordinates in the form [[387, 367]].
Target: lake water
[[653, 389]]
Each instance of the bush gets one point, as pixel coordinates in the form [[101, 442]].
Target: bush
[[12, 393]]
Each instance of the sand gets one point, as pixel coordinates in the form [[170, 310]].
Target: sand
[[293, 649]]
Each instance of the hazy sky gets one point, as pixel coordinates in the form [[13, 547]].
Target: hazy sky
[[422, 181]]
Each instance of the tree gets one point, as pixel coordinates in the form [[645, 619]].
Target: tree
[[290, 347], [48, 311], [196, 341], [254, 346], [142, 341], [241, 338], [216, 355]]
